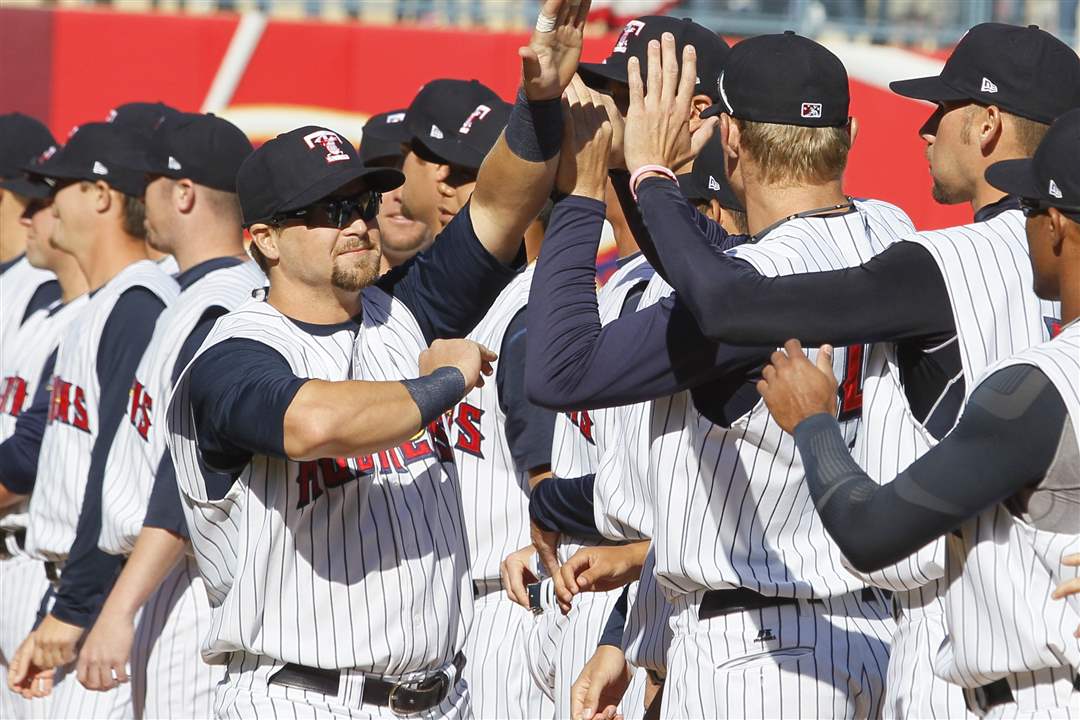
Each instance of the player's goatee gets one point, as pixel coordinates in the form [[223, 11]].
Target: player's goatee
[[356, 278]]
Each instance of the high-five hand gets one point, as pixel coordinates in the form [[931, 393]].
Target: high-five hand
[[550, 59], [658, 121], [583, 163]]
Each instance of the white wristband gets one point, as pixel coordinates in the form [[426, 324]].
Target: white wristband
[[544, 23]]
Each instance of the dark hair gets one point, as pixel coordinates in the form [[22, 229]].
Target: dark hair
[[135, 217]]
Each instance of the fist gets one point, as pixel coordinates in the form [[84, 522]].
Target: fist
[[795, 389], [472, 359]]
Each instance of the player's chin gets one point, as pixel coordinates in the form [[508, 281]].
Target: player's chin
[[356, 270]]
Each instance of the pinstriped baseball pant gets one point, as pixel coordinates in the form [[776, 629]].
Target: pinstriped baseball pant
[[815, 660]]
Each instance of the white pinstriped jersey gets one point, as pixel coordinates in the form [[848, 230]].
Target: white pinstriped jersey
[[301, 559], [647, 635], [139, 444], [494, 493], [168, 265], [732, 507], [17, 286], [581, 438], [623, 502], [36, 341], [72, 427], [1002, 568]]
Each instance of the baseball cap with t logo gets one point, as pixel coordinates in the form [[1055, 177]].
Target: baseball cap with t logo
[[456, 122]]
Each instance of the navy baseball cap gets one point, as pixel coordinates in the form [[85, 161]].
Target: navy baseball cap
[[206, 149], [707, 180], [143, 117], [1023, 70], [300, 167], [634, 40], [29, 183], [785, 79], [383, 137], [99, 151], [1052, 175], [456, 121], [22, 138]]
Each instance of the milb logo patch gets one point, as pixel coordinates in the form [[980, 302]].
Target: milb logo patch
[[811, 110]]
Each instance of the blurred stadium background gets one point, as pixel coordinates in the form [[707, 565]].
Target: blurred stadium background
[[271, 65]]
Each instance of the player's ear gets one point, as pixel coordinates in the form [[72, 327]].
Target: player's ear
[[1060, 227], [853, 129], [102, 195], [989, 127], [698, 103], [264, 238], [729, 136], [184, 195]]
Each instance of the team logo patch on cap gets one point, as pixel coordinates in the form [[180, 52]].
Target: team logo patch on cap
[[111, 116], [329, 142], [48, 153], [713, 185], [988, 86], [395, 118], [1054, 190], [174, 164], [436, 132], [99, 168], [479, 113], [634, 27], [811, 110]]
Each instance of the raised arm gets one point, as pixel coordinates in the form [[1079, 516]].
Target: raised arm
[[517, 175]]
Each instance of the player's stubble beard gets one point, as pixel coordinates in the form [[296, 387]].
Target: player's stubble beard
[[360, 275]]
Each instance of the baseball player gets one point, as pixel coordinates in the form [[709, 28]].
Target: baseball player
[[22, 577], [383, 145], [194, 216], [23, 287], [945, 326], [1001, 487], [731, 526], [97, 201], [334, 537]]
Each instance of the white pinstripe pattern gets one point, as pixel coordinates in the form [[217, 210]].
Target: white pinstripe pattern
[[36, 340], [304, 578], [133, 458], [65, 449], [584, 624], [647, 636], [1001, 571], [989, 280], [169, 678], [22, 585], [17, 286]]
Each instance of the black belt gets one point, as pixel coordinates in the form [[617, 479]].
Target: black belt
[[483, 588], [721, 602], [18, 535], [402, 698], [997, 693]]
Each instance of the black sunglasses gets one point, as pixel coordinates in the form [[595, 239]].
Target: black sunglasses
[[336, 212], [1032, 207]]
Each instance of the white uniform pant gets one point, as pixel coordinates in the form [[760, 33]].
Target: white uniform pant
[[170, 678], [912, 690], [495, 662], [821, 659], [22, 586], [246, 693], [1045, 694]]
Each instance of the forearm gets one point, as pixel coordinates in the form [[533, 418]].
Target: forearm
[[1005, 442], [9, 498], [512, 187], [352, 418], [155, 554], [620, 182], [565, 505]]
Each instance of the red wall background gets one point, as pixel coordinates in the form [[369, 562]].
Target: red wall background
[[68, 67]]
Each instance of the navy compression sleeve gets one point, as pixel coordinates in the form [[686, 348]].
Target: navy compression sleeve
[[1006, 440], [530, 428], [565, 505]]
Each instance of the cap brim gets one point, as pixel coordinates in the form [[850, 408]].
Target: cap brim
[[690, 188], [36, 189], [376, 148], [932, 89], [598, 75], [1015, 177], [377, 179], [713, 110]]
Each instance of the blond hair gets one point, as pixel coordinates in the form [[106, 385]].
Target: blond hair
[[791, 154]]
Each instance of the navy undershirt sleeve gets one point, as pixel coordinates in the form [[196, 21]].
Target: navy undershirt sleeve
[[897, 295], [89, 571], [573, 363], [163, 509], [46, 294], [239, 391], [450, 286], [1006, 440], [19, 453], [616, 622], [530, 429], [565, 505]]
